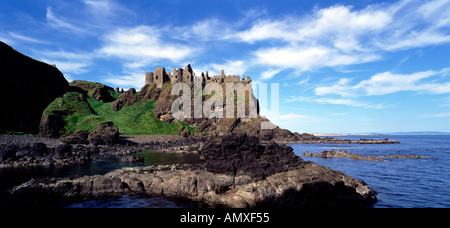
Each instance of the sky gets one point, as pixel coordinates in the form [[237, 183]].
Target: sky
[[350, 66]]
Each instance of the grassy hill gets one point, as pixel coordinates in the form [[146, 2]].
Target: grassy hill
[[85, 108]]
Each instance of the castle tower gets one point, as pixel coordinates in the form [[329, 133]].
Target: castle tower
[[188, 75], [159, 77], [176, 76], [149, 78]]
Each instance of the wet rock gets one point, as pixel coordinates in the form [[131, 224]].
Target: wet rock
[[406, 156], [310, 185], [342, 154]]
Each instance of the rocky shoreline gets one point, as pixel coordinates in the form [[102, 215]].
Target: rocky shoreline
[[32, 151], [338, 141], [236, 171], [345, 154]]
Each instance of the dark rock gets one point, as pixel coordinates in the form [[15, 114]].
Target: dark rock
[[241, 153], [77, 137], [102, 94], [28, 87], [23, 153], [51, 125], [8, 152], [185, 133], [63, 151], [127, 99], [132, 159], [409, 156], [106, 133], [39, 149], [342, 154]]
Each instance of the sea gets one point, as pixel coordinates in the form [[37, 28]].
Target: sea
[[400, 183]]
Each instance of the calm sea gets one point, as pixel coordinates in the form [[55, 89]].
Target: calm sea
[[399, 182]]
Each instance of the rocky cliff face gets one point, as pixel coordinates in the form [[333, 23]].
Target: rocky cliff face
[[28, 87]]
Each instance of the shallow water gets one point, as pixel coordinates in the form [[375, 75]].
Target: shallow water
[[399, 182]]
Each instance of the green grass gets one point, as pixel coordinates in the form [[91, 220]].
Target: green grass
[[76, 114], [80, 113], [137, 119]]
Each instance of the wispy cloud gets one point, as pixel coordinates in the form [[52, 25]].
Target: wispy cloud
[[438, 115], [387, 83], [349, 102], [60, 23], [142, 45], [27, 38], [66, 61], [128, 80], [292, 116]]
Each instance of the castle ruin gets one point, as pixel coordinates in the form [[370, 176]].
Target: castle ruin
[[187, 75]]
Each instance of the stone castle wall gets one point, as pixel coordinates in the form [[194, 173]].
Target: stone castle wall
[[187, 75]]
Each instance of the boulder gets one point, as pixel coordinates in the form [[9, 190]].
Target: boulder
[[63, 151], [77, 137], [106, 133], [39, 149]]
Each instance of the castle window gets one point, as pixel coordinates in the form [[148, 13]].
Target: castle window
[[156, 77]]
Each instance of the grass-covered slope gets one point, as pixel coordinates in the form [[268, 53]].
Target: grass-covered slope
[[91, 104], [136, 119]]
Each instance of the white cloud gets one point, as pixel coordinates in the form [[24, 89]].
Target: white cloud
[[231, 67], [292, 116], [67, 62], [387, 83], [348, 102], [306, 58], [341, 35], [131, 80], [270, 73], [60, 23], [445, 114], [140, 46], [26, 38]]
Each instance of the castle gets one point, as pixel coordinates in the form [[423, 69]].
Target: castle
[[160, 76]]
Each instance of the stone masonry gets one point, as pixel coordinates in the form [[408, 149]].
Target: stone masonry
[[187, 75]]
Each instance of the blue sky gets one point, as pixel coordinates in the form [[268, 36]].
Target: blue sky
[[342, 66]]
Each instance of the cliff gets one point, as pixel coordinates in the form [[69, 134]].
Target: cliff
[[28, 87]]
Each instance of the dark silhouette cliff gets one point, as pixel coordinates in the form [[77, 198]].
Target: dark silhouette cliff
[[28, 86]]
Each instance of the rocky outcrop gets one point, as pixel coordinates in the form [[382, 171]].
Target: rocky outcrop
[[345, 154], [125, 100], [409, 156], [38, 154], [342, 154], [106, 133], [239, 154], [236, 171], [28, 87], [95, 90], [309, 186]]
